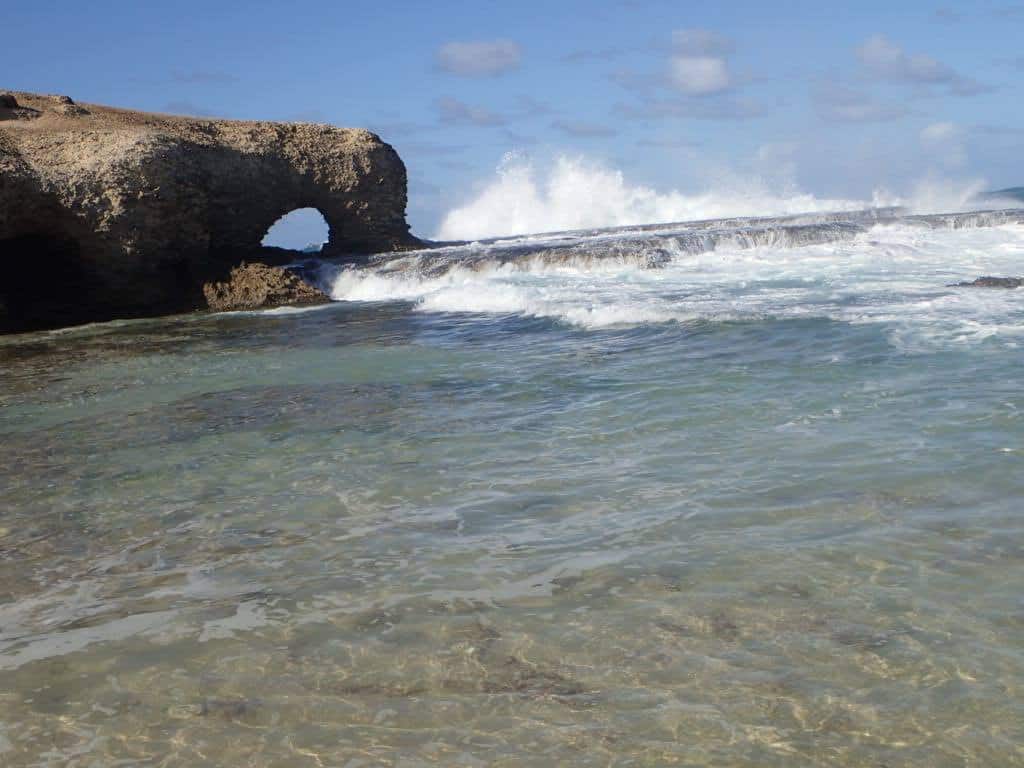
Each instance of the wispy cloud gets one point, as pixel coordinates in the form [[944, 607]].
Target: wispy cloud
[[887, 61], [583, 129], [481, 58], [454, 112]]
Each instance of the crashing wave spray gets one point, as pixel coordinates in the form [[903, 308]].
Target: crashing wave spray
[[577, 193], [581, 194]]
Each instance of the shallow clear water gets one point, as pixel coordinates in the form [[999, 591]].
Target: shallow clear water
[[757, 507]]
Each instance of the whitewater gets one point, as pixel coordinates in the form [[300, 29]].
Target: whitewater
[[876, 265]]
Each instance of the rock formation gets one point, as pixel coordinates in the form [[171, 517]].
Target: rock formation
[[110, 213], [256, 286]]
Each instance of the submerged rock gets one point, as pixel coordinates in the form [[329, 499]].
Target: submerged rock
[[257, 286], [991, 282]]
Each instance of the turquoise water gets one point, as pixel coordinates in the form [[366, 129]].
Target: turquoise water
[[758, 507]]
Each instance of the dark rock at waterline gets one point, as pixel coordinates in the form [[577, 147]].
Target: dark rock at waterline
[[258, 286], [991, 282], [109, 213]]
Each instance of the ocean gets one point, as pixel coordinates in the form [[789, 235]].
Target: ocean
[[739, 492]]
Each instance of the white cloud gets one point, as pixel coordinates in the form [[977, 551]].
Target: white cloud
[[886, 60], [699, 75], [481, 58], [696, 82], [698, 66]]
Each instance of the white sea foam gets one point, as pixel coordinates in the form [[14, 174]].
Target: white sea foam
[[894, 274]]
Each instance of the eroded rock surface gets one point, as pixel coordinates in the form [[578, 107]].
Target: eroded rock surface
[[257, 286], [110, 213]]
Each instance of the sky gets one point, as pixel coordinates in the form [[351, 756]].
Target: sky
[[832, 99]]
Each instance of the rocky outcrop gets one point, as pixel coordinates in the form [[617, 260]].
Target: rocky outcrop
[[992, 282], [257, 286], [112, 213]]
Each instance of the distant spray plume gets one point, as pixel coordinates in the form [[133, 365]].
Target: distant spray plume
[[578, 193]]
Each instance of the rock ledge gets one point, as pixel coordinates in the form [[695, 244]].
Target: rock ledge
[[257, 286]]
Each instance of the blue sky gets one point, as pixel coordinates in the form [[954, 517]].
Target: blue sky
[[837, 99]]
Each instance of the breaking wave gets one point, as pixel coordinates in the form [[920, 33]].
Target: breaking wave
[[577, 193]]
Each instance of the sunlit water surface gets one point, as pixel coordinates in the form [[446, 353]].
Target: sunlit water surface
[[758, 507]]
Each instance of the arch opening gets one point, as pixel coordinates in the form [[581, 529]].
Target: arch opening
[[304, 229]]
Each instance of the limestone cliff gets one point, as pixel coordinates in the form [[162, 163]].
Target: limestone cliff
[[109, 213]]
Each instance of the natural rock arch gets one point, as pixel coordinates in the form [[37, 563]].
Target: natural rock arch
[[157, 205]]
